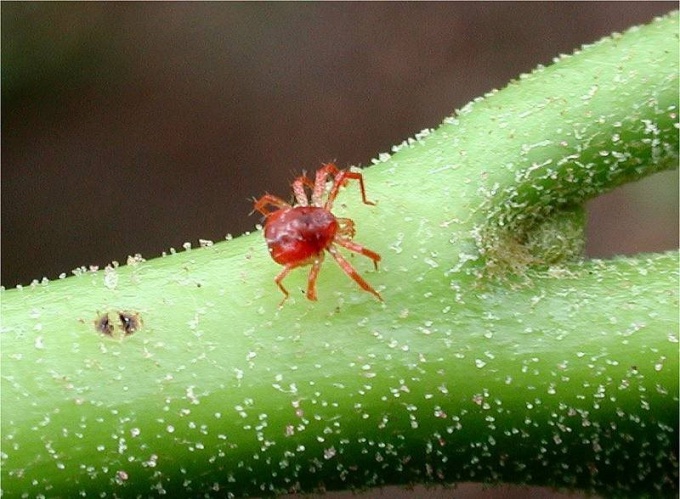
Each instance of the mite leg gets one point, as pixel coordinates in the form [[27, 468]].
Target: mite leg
[[340, 179], [358, 248], [320, 182], [346, 229], [313, 274], [262, 203], [280, 278], [351, 271], [299, 190]]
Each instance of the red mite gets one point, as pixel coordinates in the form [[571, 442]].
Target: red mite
[[299, 235]]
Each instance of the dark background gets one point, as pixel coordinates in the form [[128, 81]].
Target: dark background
[[134, 127]]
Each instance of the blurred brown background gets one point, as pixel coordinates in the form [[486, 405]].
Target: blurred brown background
[[133, 127]]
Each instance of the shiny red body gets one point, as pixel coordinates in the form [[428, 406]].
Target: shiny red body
[[300, 235]]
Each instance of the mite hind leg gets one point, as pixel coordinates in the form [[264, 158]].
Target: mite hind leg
[[351, 271]]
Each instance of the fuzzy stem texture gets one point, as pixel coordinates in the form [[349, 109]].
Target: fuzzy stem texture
[[499, 354]]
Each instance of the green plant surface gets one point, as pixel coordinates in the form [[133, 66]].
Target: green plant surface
[[499, 354]]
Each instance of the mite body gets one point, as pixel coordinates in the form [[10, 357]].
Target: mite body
[[300, 235]]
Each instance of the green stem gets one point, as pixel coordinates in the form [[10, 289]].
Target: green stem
[[561, 372]]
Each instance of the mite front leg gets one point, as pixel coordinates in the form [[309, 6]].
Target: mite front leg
[[266, 200], [299, 190], [340, 179], [320, 182]]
